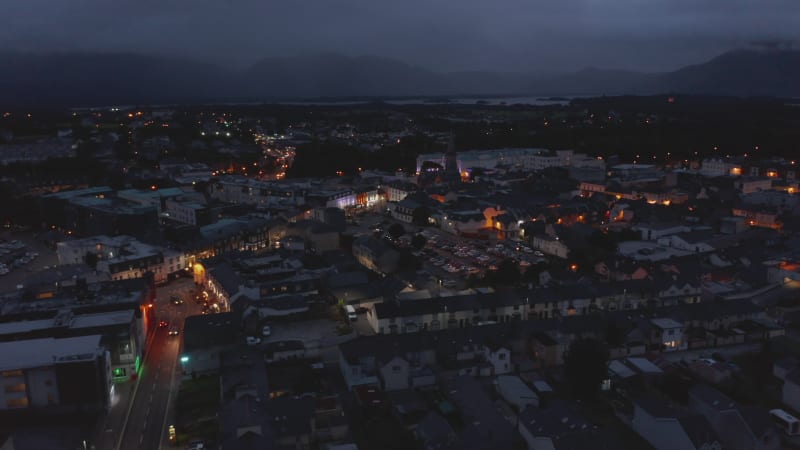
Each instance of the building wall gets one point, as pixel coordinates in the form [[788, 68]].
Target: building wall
[[395, 374], [790, 395], [42, 388]]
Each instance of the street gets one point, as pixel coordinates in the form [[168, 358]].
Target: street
[[146, 424], [151, 409]]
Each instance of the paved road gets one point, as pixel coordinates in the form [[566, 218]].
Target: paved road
[[146, 425], [153, 403]]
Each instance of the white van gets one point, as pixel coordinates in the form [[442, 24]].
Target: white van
[[351, 313]]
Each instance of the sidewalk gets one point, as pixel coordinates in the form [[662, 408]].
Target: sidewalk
[[109, 428]]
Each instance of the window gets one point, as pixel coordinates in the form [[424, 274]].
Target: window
[[396, 369], [12, 373], [19, 387], [17, 403]]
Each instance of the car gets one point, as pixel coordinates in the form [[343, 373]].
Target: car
[[253, 340], [196, 445], [538, 253], [174, 330], [175, 300], [162, 324], [266, 330]]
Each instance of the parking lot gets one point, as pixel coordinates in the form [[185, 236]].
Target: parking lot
[[20, 255]]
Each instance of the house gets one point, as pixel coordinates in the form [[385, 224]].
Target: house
[[242, 372], [463, 222], [404, 210], [739, 427], [484, 427], [318, 236], [552, 246], [666, 428], [542, 429], [394, 374], [673, 289], [244, 423], [667, 334], [387, 360], [548, 350], [330, 422], [614, 269], [375, 255], [292, 420]]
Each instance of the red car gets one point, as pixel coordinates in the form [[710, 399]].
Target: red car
[[162, 324]]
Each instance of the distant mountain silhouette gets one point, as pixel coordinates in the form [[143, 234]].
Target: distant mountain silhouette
[[739, 73], [333, 75], [119, 78], [91, 79]]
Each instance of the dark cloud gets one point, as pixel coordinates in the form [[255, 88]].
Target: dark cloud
[[441, 34]]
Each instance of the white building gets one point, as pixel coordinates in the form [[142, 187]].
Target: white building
[[184, 212], [668, 333], [122, 257], [243, 190]]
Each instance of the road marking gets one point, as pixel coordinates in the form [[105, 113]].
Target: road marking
[[151, 398], [169, 400], [141, 438]]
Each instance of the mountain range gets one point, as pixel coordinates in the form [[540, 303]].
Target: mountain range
[[81, 79]]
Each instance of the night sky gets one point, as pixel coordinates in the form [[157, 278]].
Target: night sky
[[512, 35]]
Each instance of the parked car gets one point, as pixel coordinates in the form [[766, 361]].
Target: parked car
[[266, 331], [253, 340]]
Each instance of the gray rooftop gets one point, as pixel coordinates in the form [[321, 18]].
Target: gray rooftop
[[44, 352]]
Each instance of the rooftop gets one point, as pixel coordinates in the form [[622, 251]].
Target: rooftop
[[33, 353]]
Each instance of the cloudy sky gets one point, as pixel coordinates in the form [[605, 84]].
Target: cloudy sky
[[512, 35]]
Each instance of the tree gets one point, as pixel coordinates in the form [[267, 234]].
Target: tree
[[91, 259], [408, 261], [507, 272], [418, 241], [420, 216], [586, 366], [396, 230]]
